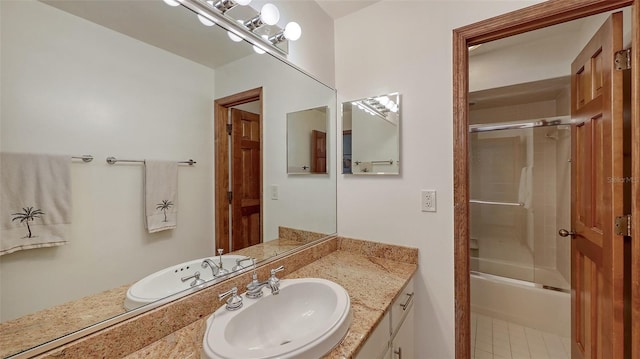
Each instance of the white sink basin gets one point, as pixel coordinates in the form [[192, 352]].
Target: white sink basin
[[307, 319], [167, 281]]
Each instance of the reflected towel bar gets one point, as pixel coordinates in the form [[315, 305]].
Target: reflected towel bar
[[375, 162], [84, 158], [112, 160], [516, 204]]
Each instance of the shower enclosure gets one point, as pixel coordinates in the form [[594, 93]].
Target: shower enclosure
[[520, 178]]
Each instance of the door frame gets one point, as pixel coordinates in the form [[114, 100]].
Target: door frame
[[221, 168], [527, 19]]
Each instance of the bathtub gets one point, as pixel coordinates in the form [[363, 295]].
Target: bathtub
[[521, 303]]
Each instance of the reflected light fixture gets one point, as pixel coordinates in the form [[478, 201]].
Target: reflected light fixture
[[171, 2], [258, 48], [233, 35], [269, 15], [205, 20]]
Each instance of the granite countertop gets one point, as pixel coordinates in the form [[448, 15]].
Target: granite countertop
[[39, 327], [372, 280]]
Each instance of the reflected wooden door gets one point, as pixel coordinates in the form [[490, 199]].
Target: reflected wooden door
[[246, 181], [318, 152], [597, 198]]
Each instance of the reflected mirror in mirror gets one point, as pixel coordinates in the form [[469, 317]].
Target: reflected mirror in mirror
[[307, 141], [137, 80], [371, 135]]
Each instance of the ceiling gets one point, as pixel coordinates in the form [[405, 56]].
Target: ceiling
[[339, 8]]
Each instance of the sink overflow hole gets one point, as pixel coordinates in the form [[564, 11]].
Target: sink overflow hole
[[285, 342]]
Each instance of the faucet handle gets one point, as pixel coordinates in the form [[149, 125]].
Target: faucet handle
[[238, 261], [233, 303], [196, 279], [276, 270]]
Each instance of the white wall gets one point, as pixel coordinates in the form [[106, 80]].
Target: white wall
[[418, 35], [544, 58], [305, 202], [72, 87]]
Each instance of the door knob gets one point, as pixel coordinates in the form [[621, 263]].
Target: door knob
[[564, 233]]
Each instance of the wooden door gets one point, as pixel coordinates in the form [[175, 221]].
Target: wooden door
[[246, 179], [318, 152], [597, 151]]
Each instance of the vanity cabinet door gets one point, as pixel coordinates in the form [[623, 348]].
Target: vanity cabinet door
[[403, 343], [401, 305], [378, 343]]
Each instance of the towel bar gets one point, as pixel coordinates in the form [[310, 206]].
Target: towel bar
[[112, 160], [84, 158]]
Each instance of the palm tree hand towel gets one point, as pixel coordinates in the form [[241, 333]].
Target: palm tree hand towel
[[161, 195], [35, 201]]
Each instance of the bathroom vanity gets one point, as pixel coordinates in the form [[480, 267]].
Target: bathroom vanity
[[376, 276]]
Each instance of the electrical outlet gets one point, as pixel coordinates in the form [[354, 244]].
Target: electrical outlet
[[428, 198], [274, 192]]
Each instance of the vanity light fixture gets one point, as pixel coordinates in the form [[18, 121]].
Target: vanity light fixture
[[211, 12], [292, 32], [269, 15], [226, 5]]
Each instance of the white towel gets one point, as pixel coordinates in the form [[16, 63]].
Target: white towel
[[161, 195], [35, 201]]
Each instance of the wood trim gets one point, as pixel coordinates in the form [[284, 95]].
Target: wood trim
[[535, 17], [635, 184], [221, 169], [531, 18]]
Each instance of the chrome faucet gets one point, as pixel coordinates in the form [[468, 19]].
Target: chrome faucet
[[216, 269], [234, 302], [254, 289], [196, 279]]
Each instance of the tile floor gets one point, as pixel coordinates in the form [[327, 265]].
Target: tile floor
[[496, 339]]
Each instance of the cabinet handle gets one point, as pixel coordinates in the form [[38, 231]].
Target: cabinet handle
[[406, 304], [398, 352]]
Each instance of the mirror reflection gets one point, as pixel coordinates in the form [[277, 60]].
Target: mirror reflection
[[307, 141], [371, 135], [115, 78]]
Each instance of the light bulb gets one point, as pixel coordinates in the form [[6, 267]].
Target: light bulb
[[389, 105], [171, 2], [242, 2], [269, 14], [383, 100], [259, 49], [205, 21], [236, 37], [292, 31]]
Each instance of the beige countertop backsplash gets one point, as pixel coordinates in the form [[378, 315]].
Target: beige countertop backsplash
[[372, 273]]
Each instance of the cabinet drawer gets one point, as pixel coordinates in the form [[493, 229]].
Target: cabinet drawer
[[378, 343], [401, 306]]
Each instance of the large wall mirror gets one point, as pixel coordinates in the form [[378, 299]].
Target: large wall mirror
[[139, 80], [371, 135]]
